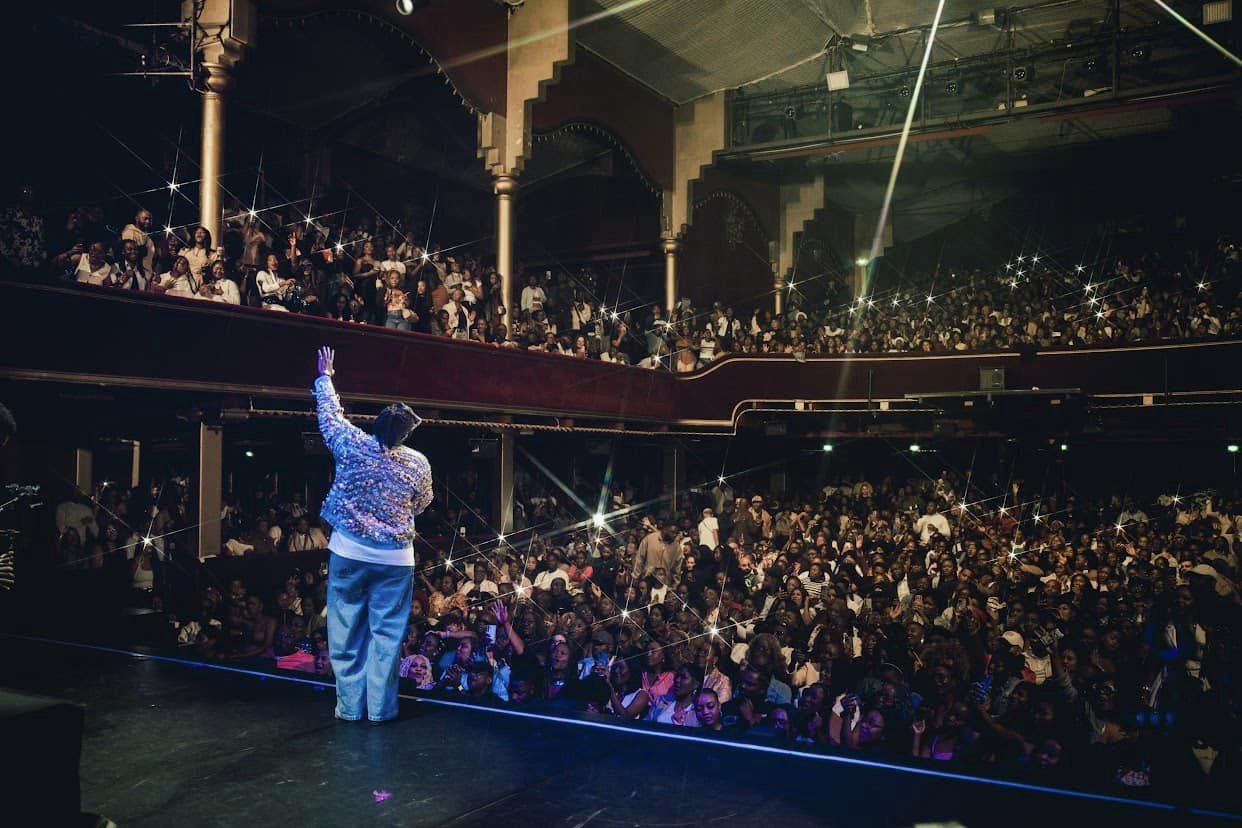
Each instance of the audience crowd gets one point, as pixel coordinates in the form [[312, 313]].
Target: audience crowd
[[367, 270], [1017, 627]]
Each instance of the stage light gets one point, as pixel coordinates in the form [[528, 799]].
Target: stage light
[[500, 538], [720, 480], [930, 298], [168, 230], [1176, 499], [827, 447], [1013, 554], [146, 541], [405, 7], [1019, 73], [871, 303], [252, 213], [903, 92], [1020, 258], [715, 631], [340, 248], [598, 520], [1065, 447], [1079, 268], [249, 453], [172, 186], [1099, 314], [951, 87], [625, 613], [1004, 510], [861, 261], [1232, 448], [915, 448], [1034, 260], [1202, 285], [896, 301]]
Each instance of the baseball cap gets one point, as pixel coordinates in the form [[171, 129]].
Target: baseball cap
[[1014, 638]]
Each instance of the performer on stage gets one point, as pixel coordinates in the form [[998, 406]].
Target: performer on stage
[[380, 487]]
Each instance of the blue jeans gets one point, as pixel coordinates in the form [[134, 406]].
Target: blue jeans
[[368, 608]]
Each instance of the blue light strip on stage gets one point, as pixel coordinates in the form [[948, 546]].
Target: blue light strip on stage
[[680, 737]]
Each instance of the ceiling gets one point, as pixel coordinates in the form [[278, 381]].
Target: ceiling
[[684, 49]]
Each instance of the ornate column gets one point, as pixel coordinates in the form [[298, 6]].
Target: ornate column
[[505, 186], [671, 247], [218, 79], [778, 282]]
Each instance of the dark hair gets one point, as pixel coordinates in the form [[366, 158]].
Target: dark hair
[[395, 424], [206, 240]]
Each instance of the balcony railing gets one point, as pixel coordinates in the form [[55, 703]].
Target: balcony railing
[[100, 337]]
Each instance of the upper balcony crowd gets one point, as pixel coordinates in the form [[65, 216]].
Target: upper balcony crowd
[[364, 269]]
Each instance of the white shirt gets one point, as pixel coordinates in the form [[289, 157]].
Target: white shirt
[[269, 284], [486, 585], [544, 579], [709, 529], [924, 526], [532, 298], [355, 549], [579, 317], [89, 276], [229, 294]]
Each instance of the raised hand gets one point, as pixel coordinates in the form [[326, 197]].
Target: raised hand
[[501, 611], [326, 357]]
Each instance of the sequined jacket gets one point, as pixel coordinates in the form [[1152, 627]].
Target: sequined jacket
[[377, 492]]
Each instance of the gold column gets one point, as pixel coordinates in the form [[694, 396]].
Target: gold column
[[505, 186], [135, 465], [778, 282], [671, 248], [216, 85]]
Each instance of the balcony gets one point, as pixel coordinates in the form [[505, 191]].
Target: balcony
[[94, 336]]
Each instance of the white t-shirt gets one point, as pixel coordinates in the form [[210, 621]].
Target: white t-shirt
[[709, 528], [356, 550]]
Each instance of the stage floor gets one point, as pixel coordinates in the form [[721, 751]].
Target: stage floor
[[171, 744]]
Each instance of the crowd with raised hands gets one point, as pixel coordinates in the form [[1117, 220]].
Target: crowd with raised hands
[[358, 266], [1027, 303], [1009, 628]]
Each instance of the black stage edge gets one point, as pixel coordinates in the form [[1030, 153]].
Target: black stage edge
[[42, 741], [169, 743]]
